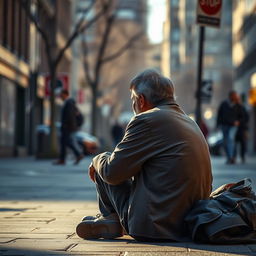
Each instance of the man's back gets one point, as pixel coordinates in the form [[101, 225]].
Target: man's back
[[170, 160]]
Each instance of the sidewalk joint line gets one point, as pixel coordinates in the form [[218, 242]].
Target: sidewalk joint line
[[51, 220], [69, 236], [71, 246]]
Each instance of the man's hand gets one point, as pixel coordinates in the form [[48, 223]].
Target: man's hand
[[91, 172]]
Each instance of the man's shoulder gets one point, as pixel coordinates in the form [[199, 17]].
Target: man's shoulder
[[152, 116], [147, 114]]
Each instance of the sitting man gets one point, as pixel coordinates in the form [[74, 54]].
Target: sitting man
[[155, 174]]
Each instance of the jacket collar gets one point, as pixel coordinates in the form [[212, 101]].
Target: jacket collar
[[166, 103]]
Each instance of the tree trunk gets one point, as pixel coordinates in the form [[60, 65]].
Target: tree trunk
[[53, 150], [94, 110]]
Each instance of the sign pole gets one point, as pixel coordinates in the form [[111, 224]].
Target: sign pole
[[199, 75]]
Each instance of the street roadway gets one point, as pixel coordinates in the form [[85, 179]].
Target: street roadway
[[31, 179]]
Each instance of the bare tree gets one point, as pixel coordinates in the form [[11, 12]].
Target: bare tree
[[93, 69], [54, 54]]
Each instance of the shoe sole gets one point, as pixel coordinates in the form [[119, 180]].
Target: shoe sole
[[87, 230]]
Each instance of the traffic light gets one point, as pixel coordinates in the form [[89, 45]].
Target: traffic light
[[252, 96]]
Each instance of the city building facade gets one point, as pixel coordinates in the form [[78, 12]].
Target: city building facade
[[181, 43], [23, 68], [244, 56]]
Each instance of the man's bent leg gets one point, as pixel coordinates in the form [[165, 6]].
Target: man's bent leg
[[114, 199], [113, 204]]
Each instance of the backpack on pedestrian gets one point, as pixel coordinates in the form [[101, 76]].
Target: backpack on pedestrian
[[79, 118]]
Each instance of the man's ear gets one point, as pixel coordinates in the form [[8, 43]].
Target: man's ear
[[142, 101]]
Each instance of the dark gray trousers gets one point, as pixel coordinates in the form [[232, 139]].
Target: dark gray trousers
[[114, 199]]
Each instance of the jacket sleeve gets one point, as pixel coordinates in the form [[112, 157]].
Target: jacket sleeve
[[70, 116], [129, 155]]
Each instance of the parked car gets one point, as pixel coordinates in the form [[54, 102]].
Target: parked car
[[215, 142]]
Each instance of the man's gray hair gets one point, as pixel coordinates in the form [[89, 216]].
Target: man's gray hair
[[155, 87]]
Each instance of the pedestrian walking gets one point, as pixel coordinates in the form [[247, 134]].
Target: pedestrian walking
[[242, 130], [155, 174], [69, 126], [228, 121]]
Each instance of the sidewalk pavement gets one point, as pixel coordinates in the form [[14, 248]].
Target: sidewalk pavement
[[41, 204]]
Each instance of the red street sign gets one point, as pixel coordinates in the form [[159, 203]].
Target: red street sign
[[209, 12], [210, 7], [81, 96], [61, 83]]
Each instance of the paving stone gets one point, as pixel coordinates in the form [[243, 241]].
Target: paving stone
[[53, 230], [30, 253], [252, 247], [124, 247], [33, 236], [46, 244], [15, 229], [19, 219], [179, 254], [50, 253], [4, 240]]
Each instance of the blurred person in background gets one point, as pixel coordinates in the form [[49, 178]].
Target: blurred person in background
[[117, 132], [242, 131], [69, 127], [156, 173], [204, 128], [228, 122]]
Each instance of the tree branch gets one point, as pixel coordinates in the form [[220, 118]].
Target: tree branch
[[103, 44], [78, 30], [86, 63], [123, 48], [38, 27]]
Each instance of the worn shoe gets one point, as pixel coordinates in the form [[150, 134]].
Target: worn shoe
[[78, 159], [98, 215], [103, 227], [59, 162]]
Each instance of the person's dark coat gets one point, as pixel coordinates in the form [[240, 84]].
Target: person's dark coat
[[166, 156], [68, 116], [243, 121], [228, 114], [117, 133]]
